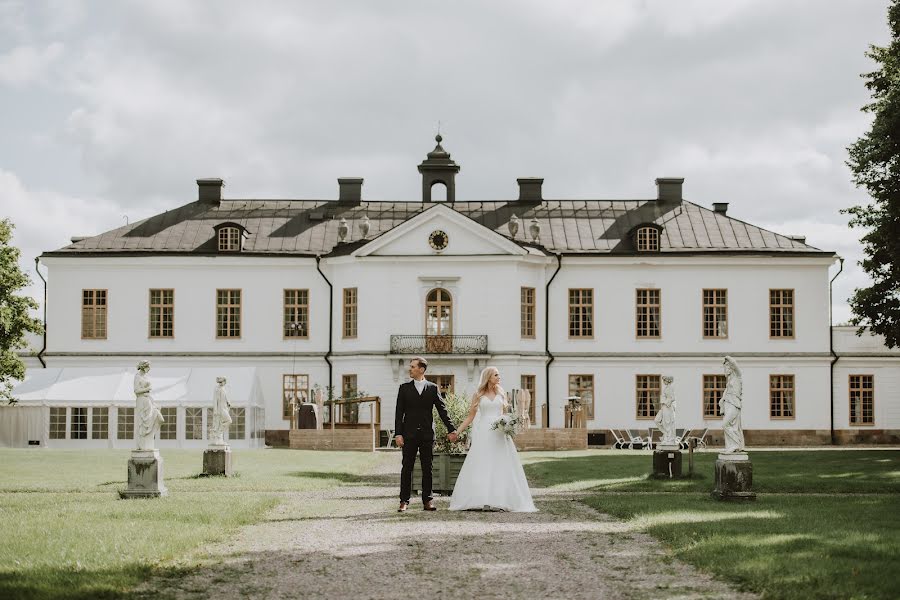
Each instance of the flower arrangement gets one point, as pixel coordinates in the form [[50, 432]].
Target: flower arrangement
[[457, 409], [508, 424]]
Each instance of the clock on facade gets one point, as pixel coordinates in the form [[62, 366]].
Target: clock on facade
[[438, 240]]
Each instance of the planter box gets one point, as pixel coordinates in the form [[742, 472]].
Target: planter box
[[444, 471]]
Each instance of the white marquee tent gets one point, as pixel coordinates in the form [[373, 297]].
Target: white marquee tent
[[77, 407]]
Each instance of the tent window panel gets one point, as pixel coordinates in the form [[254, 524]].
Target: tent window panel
[[125, 429], [57, 422], [79, 425], [193, 423], [100, 424], [169, 428], [238, 428]]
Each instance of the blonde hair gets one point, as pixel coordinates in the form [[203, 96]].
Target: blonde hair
[[485, 382]]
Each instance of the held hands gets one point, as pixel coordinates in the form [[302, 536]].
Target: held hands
[[452, 436]]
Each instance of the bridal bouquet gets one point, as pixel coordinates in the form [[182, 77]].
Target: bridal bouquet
[[508, 424]]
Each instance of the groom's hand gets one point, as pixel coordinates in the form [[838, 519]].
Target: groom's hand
[[399, 440]]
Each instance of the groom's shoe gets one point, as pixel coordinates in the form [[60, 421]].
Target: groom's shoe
[[429, 505], [403, 506]]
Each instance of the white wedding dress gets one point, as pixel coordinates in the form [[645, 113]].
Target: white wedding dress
[[491, 474]]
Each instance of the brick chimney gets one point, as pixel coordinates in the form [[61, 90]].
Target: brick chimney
[[668, 189], [350, 190], [210, 190], [530, 189]]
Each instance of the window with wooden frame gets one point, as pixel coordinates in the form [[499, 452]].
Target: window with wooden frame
[[528, 383], [296, 313], [228, 313], [294, 392], [781, 313], [715, 314], [125, 423], [168, 429], [647, 395], [350, 312], [230, 238], [349, 412], [862, 399], [162, 313], [445, 383], [713, 388], [100, 423], [583, 387], [78, 427], [93, 314], [527, 312], [193, 423], [581, 313], [57, 422], [647, 239], [648, 310], [781, 396]]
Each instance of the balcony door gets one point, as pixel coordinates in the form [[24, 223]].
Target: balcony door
[[438, 321]]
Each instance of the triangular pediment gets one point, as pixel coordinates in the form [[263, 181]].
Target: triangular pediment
[[419, 236]]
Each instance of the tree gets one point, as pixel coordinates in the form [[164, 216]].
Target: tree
[[15, 321], [875, 162]]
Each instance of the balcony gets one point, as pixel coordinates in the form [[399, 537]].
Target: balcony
[[439, 344]]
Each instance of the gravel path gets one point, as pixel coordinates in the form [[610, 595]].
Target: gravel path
[[350, 543]]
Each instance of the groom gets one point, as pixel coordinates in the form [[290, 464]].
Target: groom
[[414, 429]]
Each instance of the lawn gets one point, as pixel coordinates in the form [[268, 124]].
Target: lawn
[[67, 535], [826, 524]]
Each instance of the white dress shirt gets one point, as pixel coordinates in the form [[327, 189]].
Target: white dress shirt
[[420, 385]]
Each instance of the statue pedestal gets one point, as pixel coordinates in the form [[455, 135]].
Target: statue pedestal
[[734, 477], [667, 462], [145, 475], [217, 460]]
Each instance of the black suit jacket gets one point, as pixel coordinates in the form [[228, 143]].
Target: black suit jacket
[[414, 415]]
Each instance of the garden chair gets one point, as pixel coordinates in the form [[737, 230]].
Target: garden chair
[[620, 442], [390, 440], [683, 438], [635, 439], [701, 439], [652, 438]]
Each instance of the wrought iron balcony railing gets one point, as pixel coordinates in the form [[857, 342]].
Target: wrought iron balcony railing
[[439, 344]]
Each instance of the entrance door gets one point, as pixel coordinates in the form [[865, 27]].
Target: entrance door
[[438, 321]]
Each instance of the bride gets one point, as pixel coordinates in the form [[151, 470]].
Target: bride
[[491, 476]]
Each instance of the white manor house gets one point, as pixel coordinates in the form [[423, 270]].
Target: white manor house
[[590, 298]]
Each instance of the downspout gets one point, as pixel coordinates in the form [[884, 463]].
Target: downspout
[[547, 334], [40, 355], [834, 357], [330, 325]]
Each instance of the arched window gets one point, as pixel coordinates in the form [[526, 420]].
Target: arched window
[[438, 321], [229, 239], [647, 239]]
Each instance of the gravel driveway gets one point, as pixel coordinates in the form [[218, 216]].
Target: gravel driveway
[[350, 543]]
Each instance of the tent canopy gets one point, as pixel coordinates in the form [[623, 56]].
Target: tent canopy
[[115, 385]]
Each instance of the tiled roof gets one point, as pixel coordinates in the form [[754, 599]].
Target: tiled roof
[[310, 227]]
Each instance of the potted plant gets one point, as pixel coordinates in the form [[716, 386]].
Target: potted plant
[[448, 456]]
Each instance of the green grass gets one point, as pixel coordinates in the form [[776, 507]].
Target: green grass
[[826, 524], [65, 533]]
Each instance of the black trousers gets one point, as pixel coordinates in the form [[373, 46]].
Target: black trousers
[[423, 447]]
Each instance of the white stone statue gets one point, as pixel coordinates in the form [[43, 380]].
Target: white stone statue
[[147, 416], [665, 418], [730, 405], [221, 417]]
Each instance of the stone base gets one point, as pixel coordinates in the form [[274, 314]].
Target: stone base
[[217, 461], [145, 475], [663, 457], [734, 477]]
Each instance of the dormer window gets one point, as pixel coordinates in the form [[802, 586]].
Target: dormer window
[[230, 237], [647, 238]]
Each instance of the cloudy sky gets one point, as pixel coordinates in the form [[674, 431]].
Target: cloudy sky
[[110, 110]]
